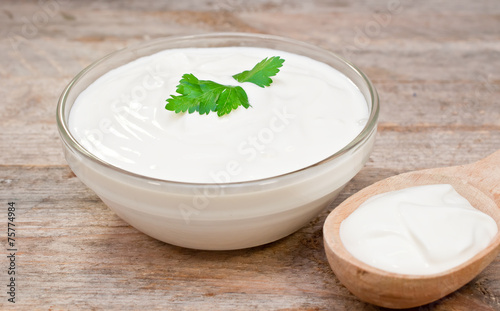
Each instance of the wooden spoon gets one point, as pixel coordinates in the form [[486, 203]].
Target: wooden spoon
[[478, 182]]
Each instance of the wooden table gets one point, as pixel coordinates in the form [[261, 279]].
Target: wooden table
[[436, 66]]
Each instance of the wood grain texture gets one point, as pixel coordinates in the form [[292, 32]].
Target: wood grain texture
[[435, 65]]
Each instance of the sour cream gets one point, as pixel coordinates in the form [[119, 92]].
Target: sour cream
[[419, 230], [309, 112]]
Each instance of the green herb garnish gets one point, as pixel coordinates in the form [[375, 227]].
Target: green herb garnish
[[205, 96], [261, 73]]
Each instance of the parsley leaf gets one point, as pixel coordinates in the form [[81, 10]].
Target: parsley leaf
[[261, 73], [205, 96]]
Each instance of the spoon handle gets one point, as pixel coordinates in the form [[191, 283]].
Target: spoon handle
[[485, 175]]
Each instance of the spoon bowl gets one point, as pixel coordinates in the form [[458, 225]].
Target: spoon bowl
[[478, 182]]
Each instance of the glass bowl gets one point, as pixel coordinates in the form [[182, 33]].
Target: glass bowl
[[218, 216]]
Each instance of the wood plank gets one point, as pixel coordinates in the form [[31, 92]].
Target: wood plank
[[69, 239], [451, 118]]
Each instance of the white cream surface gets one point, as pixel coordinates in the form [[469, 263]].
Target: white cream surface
[[308, 113], [419, 230]]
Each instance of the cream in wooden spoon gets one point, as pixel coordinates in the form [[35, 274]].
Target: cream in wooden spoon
[[418, 230], [479, 183]]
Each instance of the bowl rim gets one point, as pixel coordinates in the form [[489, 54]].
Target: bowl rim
[[70, 141]]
